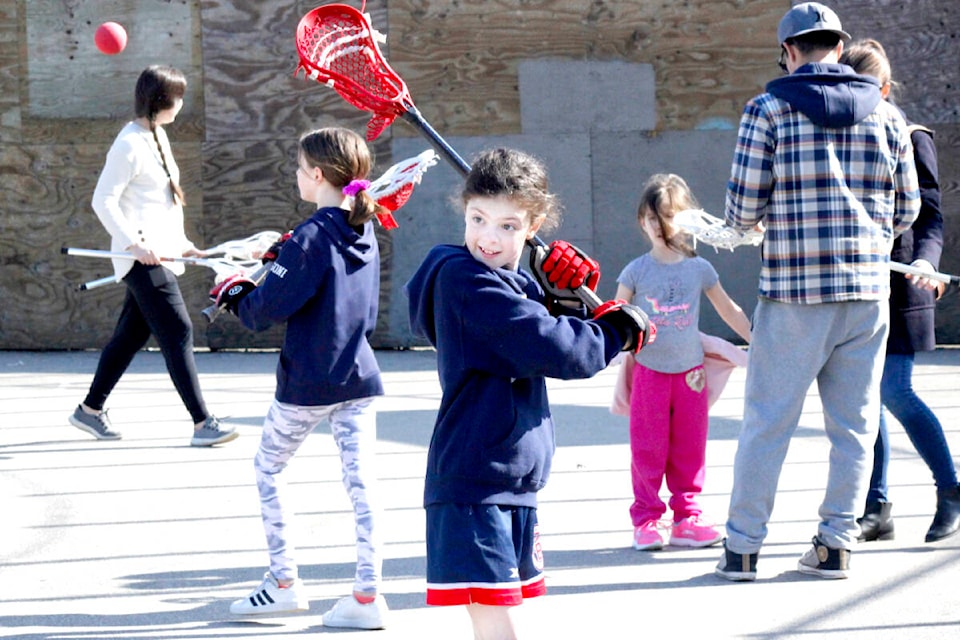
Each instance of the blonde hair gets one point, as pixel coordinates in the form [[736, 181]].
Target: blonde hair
[[664, 195], [868, 57]]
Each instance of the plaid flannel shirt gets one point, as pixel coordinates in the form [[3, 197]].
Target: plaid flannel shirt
[[831, 200]]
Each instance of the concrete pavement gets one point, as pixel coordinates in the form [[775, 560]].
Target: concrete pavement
[[147, 537]]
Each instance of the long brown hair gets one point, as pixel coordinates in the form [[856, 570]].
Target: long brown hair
[[342, 156], [158, 88]]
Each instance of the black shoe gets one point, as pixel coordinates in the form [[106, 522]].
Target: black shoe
[[876, 523], [738, 567], [824, 561], [946, 521]]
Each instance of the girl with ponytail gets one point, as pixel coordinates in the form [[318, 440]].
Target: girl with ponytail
[[325, 285]]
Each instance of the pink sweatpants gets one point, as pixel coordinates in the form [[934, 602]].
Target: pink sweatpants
[[668, 439]]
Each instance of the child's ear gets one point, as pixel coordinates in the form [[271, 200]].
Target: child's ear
[[535, 226]]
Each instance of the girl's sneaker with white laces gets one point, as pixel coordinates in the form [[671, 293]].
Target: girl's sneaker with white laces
[[350, 614], [269, 597]]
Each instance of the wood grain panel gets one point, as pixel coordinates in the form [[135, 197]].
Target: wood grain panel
[[236, 137], [460, 61], [48, 207], [9, 71], [69, 77], [922, 40]]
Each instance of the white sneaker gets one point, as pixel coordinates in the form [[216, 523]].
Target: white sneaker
[[268, 597], [350, 614]]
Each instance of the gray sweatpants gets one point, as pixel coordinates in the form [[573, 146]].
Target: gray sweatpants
[[841, 346], [354, 427]]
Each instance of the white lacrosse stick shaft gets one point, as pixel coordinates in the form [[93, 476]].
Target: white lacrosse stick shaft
[[932, 275]]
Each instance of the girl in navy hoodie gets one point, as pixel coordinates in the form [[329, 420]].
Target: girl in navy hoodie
[[325, 285], [496, 341]]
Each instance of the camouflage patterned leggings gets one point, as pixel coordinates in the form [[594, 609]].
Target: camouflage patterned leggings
[[354, 427]]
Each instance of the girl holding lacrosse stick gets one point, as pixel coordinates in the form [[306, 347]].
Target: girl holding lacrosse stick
[[139, 201], [325, 284], [496, 342], [668, 404], [911, 329]]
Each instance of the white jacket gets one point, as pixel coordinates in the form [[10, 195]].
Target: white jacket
[[133, 199]]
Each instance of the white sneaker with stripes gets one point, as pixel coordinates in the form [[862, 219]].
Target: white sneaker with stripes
[[268, 597]]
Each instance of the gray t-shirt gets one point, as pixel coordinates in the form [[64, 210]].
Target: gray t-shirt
[[670, 295]]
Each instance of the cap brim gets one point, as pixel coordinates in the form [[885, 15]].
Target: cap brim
[[843, 34]]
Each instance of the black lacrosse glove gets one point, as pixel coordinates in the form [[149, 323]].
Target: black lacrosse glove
[[562, 269], [270, 255], [231, 291], [629, 321]]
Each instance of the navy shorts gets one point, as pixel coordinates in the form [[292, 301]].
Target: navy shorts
[[483, 554]]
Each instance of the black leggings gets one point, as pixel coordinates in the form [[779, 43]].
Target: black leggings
[[153, 305]]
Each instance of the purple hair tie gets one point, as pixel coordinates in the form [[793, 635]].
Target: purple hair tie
[[355, 187]]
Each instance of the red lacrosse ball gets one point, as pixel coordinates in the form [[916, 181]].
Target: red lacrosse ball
[[110, 38]]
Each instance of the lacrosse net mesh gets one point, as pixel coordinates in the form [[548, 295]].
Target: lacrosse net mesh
[[339, 47], [712, 230]]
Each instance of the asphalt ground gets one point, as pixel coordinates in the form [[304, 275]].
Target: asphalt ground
[[147, 537]]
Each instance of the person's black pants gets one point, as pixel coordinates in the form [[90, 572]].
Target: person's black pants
[[153, 306]]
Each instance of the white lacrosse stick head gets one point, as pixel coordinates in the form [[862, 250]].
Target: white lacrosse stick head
[[713, 231], [393, 188]]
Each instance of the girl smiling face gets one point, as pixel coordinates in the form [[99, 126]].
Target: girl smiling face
[[496, 230]]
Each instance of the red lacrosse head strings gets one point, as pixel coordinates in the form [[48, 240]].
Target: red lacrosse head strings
[[336, 47]]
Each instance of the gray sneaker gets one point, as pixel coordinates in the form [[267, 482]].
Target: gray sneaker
[[211, 433], [96, 425]]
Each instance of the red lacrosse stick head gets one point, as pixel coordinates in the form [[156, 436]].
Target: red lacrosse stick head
[[338, 47]]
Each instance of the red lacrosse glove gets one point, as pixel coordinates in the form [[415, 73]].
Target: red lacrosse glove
[[231, 291], [630, 321], [567, 267], [270, 255]]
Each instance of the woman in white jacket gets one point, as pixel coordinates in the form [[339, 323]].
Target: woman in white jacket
[[139, 201]]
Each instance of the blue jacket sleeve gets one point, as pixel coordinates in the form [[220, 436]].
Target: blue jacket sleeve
[[289, 284], [506, 332]]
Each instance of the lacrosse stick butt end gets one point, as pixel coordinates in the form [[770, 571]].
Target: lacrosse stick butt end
[[211, 313]]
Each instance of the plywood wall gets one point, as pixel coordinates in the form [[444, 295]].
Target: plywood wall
[[61, 103]]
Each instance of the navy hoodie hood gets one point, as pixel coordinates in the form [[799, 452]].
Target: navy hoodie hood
[[830, 95]]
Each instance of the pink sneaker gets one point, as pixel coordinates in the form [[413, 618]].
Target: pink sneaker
[[691, 532], [646, 537]]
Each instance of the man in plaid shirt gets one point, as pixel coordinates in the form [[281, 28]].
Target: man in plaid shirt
[[826, 165]]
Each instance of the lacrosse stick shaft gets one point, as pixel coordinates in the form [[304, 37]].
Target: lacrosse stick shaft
[[412, 115], [936, 275], [99, 253], [93, 284], [214, 263]]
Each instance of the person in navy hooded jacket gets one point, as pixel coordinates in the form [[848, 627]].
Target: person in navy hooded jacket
[[325, 285], [496, 341]]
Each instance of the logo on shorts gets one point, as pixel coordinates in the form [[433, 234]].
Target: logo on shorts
[[537, 549], [277, 270]]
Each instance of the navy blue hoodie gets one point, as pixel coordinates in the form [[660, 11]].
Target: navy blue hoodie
[[325, 285], [493, 441], [831, 95]]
